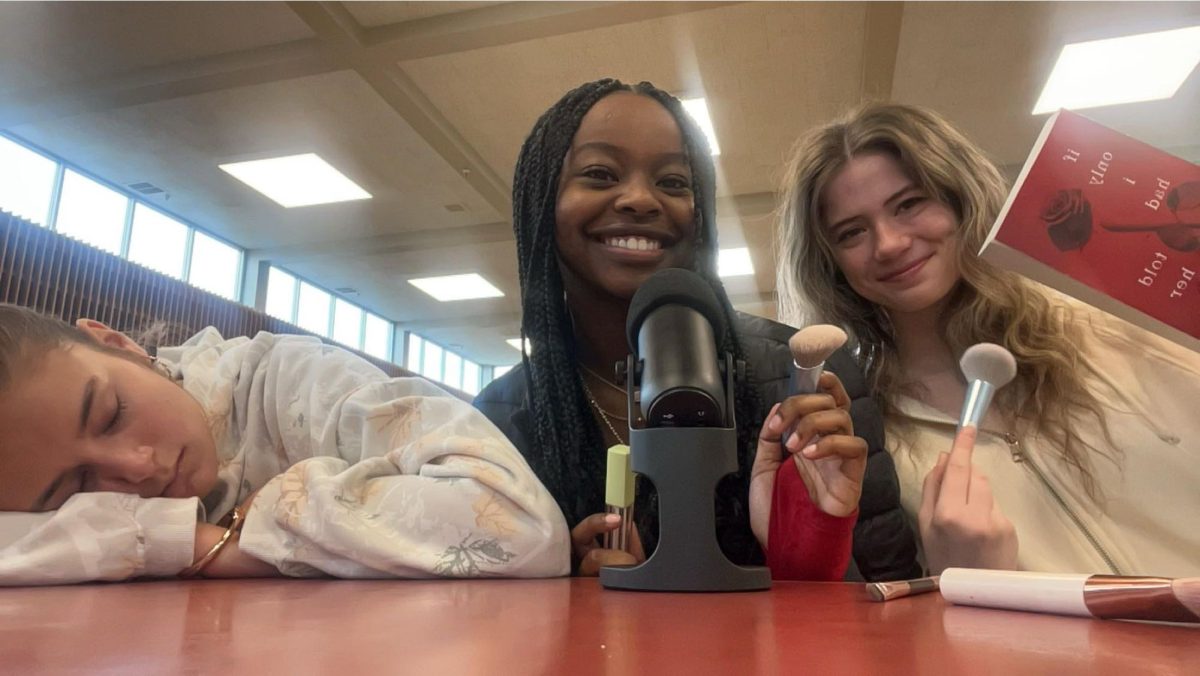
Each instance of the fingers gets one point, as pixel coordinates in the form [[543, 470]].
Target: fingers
[[826, 422], [795, 408], [836, 445], [830, 384], [956, 484], [769, 453], [583, 535], [930, 489], [597, 558]]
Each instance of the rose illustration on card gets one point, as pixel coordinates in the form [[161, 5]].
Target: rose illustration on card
[[1068, 219]]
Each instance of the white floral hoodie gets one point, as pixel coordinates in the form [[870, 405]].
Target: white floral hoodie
[[359, 476]]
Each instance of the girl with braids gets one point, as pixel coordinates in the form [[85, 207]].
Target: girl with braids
[[1087, 461], [614, 183]]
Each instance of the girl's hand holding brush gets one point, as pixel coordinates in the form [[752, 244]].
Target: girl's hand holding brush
[[832, 467], [961, 524]]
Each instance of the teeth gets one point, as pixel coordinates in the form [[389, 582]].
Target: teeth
[[634, 243]]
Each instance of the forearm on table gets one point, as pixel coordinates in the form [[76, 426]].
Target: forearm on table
[[231, 561]]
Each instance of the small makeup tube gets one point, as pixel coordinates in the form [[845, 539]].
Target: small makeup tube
[[1110, 597], [619, 496], [886, 591]]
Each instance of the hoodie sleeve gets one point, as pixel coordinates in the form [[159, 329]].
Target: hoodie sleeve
[[98, 536], [394, 478]]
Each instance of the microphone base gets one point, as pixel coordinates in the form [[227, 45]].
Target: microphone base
[[685, 464]]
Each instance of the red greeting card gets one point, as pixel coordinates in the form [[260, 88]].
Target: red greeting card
[[1109, 220]]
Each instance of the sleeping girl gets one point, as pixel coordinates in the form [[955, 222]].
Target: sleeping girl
[[266, 456]]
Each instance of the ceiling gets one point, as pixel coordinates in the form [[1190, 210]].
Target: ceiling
[[425, 104]]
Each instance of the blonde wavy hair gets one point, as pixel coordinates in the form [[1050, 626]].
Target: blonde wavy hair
[[987, 305]]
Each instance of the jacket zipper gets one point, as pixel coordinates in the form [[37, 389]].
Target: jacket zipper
[[1019, 456]]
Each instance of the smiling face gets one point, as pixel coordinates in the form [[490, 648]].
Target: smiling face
[[625, 205], [82, 419], [895, 243]]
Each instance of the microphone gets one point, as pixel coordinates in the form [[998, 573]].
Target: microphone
[[674, 326], [987, 367], [684, 386]]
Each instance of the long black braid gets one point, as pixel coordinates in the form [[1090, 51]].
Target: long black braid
[[569, 456]]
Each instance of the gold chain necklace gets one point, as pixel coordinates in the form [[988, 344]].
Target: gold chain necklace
[[603, 414]]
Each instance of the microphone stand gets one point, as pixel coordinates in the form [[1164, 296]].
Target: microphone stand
[[685, 464]]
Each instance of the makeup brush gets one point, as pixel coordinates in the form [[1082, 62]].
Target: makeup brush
[[988, 367], [810, 347], [1106, 597], [619, 496], [886, 591]]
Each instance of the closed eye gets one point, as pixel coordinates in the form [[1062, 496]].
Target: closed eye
[[115, 421]]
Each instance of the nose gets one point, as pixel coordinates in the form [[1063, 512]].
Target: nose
[[637, 198], [891, 239], [124, 470]]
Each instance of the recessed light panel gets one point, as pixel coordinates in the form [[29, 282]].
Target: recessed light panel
[[698, 109], [734, 262], [457, 287], [1144, 67], [297, 180]]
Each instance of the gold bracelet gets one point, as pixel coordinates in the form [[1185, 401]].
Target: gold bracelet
[[198, 566]]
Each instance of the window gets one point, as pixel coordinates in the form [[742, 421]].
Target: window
[[453, 370], [377, 338], [312, 312], [91, 213], [470, 382], [215, 266], [431, 363], [412, 360], [158, 241], [281, 295], [26, 182], [498, 371], [347, 323]]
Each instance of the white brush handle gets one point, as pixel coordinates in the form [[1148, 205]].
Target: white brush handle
[[1059, 593]]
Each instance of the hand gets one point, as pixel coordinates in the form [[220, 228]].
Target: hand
[[832, 467], [590, 556], [960, 523]]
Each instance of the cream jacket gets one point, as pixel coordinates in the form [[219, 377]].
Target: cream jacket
[[1147, 521], [359, 476]]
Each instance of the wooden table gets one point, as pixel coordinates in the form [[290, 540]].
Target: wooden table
[[570, 626]]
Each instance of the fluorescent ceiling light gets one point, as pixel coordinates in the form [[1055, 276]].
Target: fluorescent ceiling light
[[297, 180], [1145, 67], [734, 262], [516, 345], [698, 109], [457, 287]]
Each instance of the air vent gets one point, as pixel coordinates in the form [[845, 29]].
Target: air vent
[[455, 207], [145, 188], [347, 290]]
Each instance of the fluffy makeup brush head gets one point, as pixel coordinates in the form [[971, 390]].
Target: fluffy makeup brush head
[[812, 345], [990, 363], [1187, 590]]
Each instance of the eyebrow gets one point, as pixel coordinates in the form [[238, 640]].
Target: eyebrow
[[616, 150], [894, 196]]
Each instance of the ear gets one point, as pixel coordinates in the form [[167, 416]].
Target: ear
[[102, 335]]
